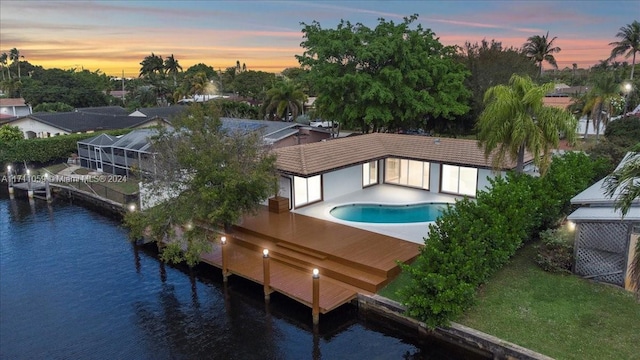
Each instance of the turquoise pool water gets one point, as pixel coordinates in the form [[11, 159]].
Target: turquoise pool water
[[378, 213]]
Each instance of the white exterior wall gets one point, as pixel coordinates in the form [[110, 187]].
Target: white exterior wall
[[40, 129], [483, 182], [341, 182], [15, 110]]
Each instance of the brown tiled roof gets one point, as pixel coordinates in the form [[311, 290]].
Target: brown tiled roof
[[557, 101], [315, 158], [12, 102]]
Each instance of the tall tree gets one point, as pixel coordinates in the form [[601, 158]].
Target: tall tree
[[253, 84], [3, 65], [604, 92], [629, 44], [515, 120], [285, 98], [491, 64], [152, 64], [540, 48], [172, 68], [14, 54], [386, 77], [215, 175]]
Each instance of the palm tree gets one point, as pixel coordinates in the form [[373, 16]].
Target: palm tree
[[152, 64], [625, 182], [3, 63], [172, 68], [285, 97], [515, 120], [605, 88], [629, 43], [14, 55], [539, 49]]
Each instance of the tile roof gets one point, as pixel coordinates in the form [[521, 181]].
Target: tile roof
[[12, 102], [81, 122], [165, 112], [315, 158], [104, 110]]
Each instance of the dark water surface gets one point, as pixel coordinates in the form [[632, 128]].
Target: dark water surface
[[73, 287]]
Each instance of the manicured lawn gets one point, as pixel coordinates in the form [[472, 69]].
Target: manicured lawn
[[562, 316]]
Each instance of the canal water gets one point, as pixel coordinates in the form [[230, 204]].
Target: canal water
[[73, 287]]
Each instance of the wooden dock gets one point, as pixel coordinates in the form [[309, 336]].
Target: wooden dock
[[350, 260]]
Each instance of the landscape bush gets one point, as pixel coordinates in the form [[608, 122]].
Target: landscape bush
[[555, 250], [44, 150], [475, 238]]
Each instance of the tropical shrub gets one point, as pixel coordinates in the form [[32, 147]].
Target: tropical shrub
[[555, 251], [475, 238], [44, 150]]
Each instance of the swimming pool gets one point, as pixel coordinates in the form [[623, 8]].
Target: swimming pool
[[392, 214]]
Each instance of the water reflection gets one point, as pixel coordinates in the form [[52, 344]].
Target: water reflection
[[74, 287]]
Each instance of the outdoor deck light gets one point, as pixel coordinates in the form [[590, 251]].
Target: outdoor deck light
[[132, 207], [265, 253], [223, 240], [571, 225], [316, 273]]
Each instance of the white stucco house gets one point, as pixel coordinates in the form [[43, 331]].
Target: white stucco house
[[13, 107], [311, 173], [89, 120]]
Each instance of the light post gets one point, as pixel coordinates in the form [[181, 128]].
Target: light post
[[29, 188], [47, 189], [267, 275], [315, 302], [627, 90], [225, 271], [10, 179]]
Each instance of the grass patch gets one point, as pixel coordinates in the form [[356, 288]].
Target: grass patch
[[562, 316], [82, 171], [391, 290], [559, 315]]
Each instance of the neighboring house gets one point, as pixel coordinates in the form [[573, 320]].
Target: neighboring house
[[322, 171], [604, 240], [89, 120], [117, 155], [13, 108]]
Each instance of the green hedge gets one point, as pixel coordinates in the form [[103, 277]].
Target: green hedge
[[45, 150], [474, 238]]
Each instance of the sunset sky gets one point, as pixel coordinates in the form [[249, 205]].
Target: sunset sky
[[115, 36]]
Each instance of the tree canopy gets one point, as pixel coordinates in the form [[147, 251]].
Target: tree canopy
[[491, 64], [540, 48], [389, 77], [215, 175], [10, 133], [515, 120]]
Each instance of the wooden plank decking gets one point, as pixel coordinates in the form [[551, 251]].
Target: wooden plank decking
[[350, 260]]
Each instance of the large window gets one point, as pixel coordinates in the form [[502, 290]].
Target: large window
[[459, 180], [306, 190], [369, 173], [407, 172]]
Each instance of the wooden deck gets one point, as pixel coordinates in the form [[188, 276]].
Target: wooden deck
[[350, 260]]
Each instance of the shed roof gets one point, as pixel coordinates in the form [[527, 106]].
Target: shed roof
[[603, 213], [315, 158]]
